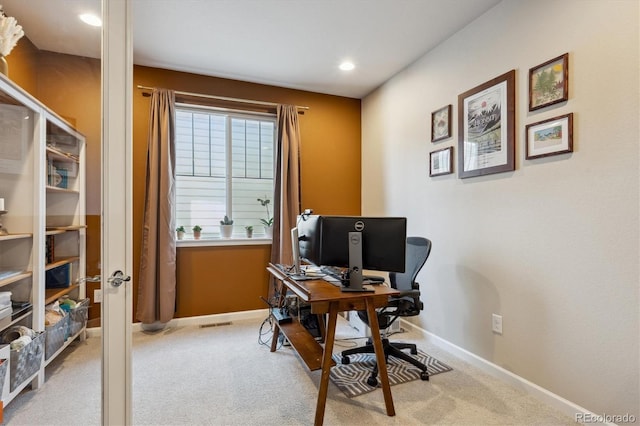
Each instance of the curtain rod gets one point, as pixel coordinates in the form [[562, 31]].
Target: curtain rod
[[223, 98]]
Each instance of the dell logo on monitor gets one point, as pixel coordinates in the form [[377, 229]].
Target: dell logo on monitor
[[359, 226]]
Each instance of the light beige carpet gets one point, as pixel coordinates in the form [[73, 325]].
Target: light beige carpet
[[223, 376]]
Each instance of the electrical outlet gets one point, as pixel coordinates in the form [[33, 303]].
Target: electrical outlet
[[97, 296], [496, 323]]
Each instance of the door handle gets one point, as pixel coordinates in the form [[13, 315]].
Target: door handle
[[117, 278]]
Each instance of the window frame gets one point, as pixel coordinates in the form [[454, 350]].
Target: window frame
[[230, 114]]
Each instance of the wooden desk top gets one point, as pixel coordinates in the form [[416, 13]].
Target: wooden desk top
[[320, 292]]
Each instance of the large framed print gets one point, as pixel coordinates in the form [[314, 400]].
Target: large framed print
[[549, 83], [486, 127], [550, 137]]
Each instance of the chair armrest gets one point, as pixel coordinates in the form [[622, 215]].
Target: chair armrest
[[408, 293]]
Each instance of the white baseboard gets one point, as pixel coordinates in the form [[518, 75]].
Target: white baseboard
[[563, 405], [199, 320]]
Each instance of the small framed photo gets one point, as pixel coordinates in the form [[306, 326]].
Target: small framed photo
[[550, 137], [441, 124], [441, 162], [549, 83]]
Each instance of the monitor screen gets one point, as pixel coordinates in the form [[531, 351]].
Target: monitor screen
[[324, 241]]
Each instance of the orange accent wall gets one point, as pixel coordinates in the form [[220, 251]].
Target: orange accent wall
[[210, 279], [23, 65], [227, 279]]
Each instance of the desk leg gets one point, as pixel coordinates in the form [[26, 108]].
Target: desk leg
[[274, 337], [322, 327], [326, 363], [276, 328], [382, 366]]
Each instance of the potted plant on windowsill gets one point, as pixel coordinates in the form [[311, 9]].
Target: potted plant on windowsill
[[226, 227], [268, 222], [180, 232], [196, 232], [249, 230]]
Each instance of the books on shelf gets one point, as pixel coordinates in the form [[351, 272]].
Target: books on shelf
[[57, 175], [50, 244]]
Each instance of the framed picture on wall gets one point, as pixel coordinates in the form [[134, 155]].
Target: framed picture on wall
[[549, 83], [550, 137], [441, 124], [486, 127], [441, 162]]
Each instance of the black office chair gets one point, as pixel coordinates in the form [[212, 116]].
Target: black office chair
[[406, 304]]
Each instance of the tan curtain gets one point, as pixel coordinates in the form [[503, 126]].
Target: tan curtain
[[157, 283], [286, 206]]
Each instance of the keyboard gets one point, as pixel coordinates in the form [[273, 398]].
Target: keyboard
[[338, 272], [332, 280], [332, 270], [373, 279]]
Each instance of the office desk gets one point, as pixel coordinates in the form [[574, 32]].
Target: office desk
[[327, 298]]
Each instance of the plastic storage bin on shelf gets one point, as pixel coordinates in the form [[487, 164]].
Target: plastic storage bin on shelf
[[58, 277], [5, 309]]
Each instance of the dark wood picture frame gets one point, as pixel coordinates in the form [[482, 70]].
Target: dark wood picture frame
[[441, 162], [549, 137], [486, 127], [549, 83], [441, 124]]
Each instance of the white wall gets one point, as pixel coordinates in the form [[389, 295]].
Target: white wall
[[552, 246]]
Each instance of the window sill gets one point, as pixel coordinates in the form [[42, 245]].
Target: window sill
[[221, 242]]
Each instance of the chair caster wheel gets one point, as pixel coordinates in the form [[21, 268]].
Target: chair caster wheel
[[424, 376], [372, 381], [345, 360]]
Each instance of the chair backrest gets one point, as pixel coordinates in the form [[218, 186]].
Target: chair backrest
[[418, 250]]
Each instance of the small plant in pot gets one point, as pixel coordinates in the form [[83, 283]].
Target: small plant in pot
[[249, 231], [268, 222], [180, 232], [196, 232], [226, 227]]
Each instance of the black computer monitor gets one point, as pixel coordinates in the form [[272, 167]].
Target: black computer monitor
[[353, 242]]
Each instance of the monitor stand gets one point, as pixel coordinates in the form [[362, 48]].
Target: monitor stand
[[295, 250], [355, 264]]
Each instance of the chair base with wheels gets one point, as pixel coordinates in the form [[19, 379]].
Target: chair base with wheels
[[406, 303], [390, 349]]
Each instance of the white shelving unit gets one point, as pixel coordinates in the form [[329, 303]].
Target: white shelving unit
[[42, 182]]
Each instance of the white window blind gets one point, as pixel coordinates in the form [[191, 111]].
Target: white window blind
[[224, 163]]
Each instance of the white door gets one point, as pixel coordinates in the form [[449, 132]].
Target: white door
[[116, 319]]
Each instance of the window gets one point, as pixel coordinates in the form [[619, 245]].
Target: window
[[224, 163]]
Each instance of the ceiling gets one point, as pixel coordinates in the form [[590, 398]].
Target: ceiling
[[289, 43]]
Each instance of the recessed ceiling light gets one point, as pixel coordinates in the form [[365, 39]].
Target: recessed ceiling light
[[91, 19], [347, 66]]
